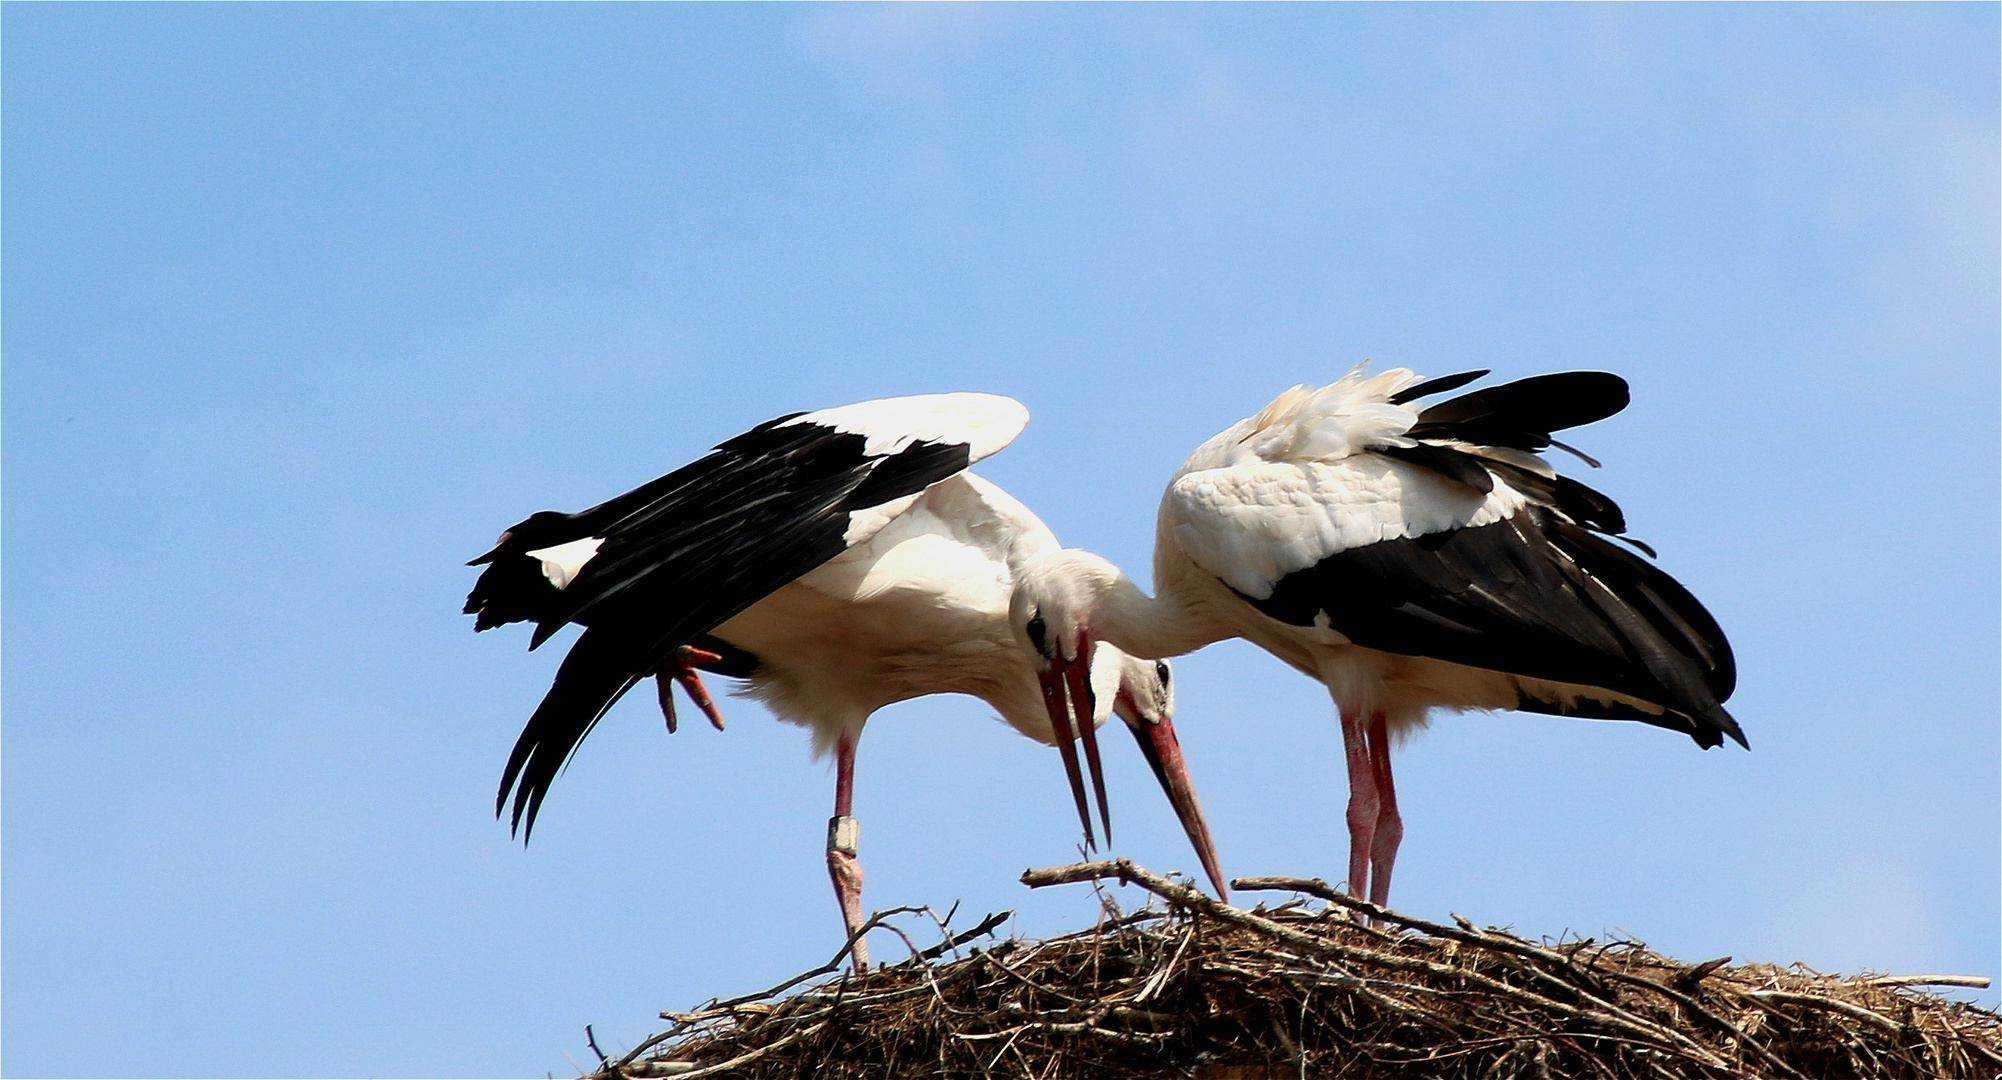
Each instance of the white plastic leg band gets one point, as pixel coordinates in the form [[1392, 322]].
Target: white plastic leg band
[[843, 835]]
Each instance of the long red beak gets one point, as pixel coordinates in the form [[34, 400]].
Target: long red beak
[[1077, 676], [1164, 753], [1056, 702]]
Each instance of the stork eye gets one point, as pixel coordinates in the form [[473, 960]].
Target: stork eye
[[1039, 633], [1161, 672]]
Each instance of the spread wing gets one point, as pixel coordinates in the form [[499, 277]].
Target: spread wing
[[653, 569]]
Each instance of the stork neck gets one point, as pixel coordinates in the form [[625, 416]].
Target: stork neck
[[1147, 626]]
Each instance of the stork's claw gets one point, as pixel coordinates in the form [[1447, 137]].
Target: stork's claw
[[683, 670]]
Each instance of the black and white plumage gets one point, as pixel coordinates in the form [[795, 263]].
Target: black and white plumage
[[1408, 560], [841, 561]]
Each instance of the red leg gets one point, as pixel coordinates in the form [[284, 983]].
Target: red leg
[[843, 834], [1389, 826], [1363, 803]]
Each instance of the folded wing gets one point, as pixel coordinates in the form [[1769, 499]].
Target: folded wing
[[1456, 541]]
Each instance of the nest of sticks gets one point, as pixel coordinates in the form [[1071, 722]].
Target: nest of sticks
[[1197, 988]]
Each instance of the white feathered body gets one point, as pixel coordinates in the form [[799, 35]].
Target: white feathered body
[[920, 608]]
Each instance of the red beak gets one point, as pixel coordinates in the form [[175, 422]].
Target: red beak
[[1054, 700], [1068, 683], [1164, 752], [1077, 675]]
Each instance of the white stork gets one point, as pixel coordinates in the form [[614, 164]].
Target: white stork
[[841, 560], [1409, 561]]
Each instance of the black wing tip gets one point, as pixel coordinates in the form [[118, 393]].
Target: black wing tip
[[1437, 386], [484, 616], [1706, 729], [1523, 413], [527, 801], [500, 546], [1610, 384], [1727, 725], [511, 776], [1710, 727], [524, 782], [1614, 391], [1640, 546], [601, 667], [522, 824]]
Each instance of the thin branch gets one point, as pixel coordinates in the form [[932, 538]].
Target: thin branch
[[1816, 1001], [1976, 982], [986, 926]]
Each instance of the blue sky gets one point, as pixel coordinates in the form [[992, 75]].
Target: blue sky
[[303, 304]]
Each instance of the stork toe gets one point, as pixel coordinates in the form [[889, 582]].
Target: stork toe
[[684, 671]]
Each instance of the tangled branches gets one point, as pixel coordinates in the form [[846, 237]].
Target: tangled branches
[[1204, 989]]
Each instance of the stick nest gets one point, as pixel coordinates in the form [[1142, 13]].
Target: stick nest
[[1201, 989]]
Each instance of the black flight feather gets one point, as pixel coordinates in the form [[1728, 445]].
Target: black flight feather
[[1574, 500], [1534, 595], [1522, 414], [1455, 465], [512, 589], [1436, 386], [679, 556]]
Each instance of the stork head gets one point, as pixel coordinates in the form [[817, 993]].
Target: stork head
[[1053, 603], [1138, 691], [1084, 680]]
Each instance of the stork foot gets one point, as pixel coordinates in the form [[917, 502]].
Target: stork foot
[[683, 670], [845, 869]]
